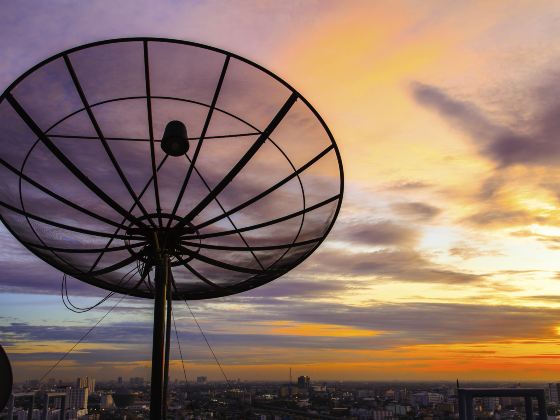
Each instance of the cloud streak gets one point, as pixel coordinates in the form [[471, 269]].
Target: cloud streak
[[504, 145], [400, 265], [383, 232]]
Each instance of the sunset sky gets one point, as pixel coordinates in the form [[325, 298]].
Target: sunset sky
[[443, 262]]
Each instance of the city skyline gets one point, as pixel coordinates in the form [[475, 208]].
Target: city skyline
[[301, 397], [443, 261]]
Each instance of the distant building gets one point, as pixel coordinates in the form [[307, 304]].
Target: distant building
[[445, 409], [21, 402], [57, 414], [19, 415], [510, 402], [288, 391], [426, 399], [401, 395], [382, 415], [472, 399], [76, 398], [201, 379], [303, 403], [319, 388], [554, 392], [107, 402], [240, 395], [398, 409], [490, 403], [303, 382], [73, 414], [54, 404], [119, 381], [366, 393], [86, 382], [364, 413]]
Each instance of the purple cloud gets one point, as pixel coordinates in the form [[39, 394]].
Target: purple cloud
[[537, 145]]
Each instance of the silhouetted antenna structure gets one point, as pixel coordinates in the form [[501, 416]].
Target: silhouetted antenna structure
[[189, 171], [7, 381]]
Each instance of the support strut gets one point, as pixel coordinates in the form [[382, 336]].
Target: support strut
[[160, 352], [167, 342]]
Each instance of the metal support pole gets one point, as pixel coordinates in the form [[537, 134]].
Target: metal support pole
[[158, 343], [528, 408], [167, 342]]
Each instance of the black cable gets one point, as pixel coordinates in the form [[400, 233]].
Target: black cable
[[70, 306], [180, 351], [82, 338], [201, 332], [208, 344]]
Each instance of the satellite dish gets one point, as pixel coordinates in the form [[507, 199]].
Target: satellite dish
[[7, 379], [165, 169]]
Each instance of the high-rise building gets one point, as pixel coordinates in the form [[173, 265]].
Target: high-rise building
[[107, 401], [76, 398], [402, 395], [54, 404], [303, 382], [21, 402], [201, 379], [554, 392], [86, 382]]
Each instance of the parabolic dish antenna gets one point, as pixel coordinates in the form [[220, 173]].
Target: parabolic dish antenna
[[165, 169]]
